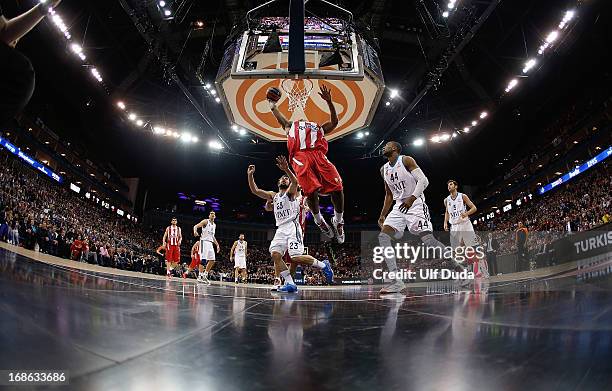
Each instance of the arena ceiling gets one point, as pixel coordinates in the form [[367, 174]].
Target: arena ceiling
[[160, 67]]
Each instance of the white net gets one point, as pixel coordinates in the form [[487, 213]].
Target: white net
[[298, 91]]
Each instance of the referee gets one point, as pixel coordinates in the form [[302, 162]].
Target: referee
[[16, 72]]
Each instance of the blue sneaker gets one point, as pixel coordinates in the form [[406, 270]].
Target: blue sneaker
[[329, 273], [287, 288]]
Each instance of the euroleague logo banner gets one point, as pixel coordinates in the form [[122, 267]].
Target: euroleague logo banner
[[352, 100]]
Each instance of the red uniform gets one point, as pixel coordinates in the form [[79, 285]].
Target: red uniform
[[195, 260], [307, 149], [173, 240]]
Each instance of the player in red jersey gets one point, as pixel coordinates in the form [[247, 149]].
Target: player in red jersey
[[195, 259], [172, 242], [315, 173]]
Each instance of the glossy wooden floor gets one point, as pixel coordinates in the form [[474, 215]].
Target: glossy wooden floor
[[127, 333]]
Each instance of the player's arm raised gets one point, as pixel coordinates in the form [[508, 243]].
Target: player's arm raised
[[421, 183], [201, 224], [386, 204], [279, 116], [281, 162], [266, 195], [333, 120], [472, 208]]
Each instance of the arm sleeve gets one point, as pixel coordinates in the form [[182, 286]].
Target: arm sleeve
[[421, 184]]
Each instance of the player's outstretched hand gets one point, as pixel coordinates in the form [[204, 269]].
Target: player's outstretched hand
[[325, 93], [281, 162], [251, 169]]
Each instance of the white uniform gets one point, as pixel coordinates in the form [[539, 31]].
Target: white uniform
[[240, 255], [288, 236], [207, 242], [402, 184], [461, 228]]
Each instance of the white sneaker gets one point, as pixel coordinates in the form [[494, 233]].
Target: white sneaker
[[277, 284], [338, 230], [203, 279], [326, 229], [395, 287]]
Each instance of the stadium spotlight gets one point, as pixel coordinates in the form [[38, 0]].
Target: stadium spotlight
[[162, 3], [511, 85], [454, 135], [217, 99], [387, 103], [466, 129], [121, 105], [213, 92], [435, 139], [139, 122], [132, 117], [451, 5], [394, 93], [529, 64], [552, 37], [483, 115], [444, 137], [367, 133], [242, 131], [418, 142], [359, 134], [569, 15], [445, 14], [194, 139], [186, 137], [96, 73], [474, 123], [159, 130], [207, 86], [214, 144], [78, 50], [167, 12], [235, 128]]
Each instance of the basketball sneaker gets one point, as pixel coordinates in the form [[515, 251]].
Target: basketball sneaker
[[338, 230], [203, 278], [277, 284], [395, 287], [288, 288], [328, 272], [326, 229]]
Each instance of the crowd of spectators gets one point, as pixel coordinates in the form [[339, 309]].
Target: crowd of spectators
[[582, 204]]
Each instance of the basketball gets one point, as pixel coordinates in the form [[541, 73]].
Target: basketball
[[273, 94]]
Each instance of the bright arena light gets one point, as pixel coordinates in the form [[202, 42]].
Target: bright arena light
[[359, 134], [217, 99], [132, 117], [121, 105], [139, 122], [214, 92], [483, 115], [194, 139], [435, 139], [186, 137], [466, 129], [235, 128], [394, 93], [96, 73], [214, 144], [552, 37], [474, 123], [418, 142], [207, 86], [511, 85], [387, 103], [162, 3], [529, 64], [78, 50], [242, 131], [444, 137], [159, 130], [167, 12], [445, 14], [451, 5], [569, 15]]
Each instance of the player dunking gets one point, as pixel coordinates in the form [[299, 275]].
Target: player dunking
[[315, 173], [404, 184], [207, 239], [239, 254], [172, 243], [288, 236], [461, 229]]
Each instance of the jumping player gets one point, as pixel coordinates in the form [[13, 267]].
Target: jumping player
[[288, 236], [315, 173], [461, 229], [404, 184], [239, 254], [207, 239], [172, 242]]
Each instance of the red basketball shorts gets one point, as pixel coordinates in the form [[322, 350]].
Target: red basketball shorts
[[173, 253], [315, 172]]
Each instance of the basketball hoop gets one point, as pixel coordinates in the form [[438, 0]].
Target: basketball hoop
[[298, 91]]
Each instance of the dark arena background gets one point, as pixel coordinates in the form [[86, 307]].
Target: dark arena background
[[125, 123]]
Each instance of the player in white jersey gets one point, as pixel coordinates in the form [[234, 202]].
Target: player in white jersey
[[404, 184], [239, 254], [461, 229], [207, 239], [288, 236]]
